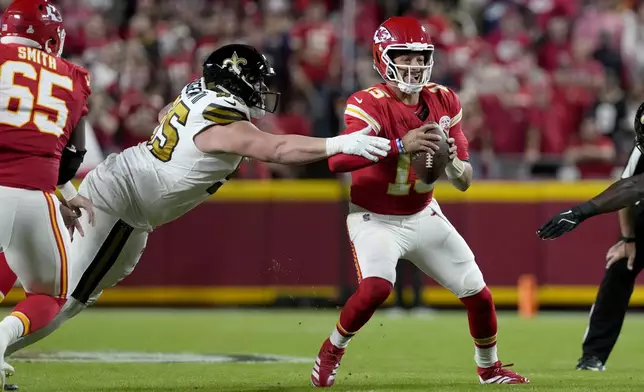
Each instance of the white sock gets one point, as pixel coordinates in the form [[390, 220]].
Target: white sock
[[485, 357], [11, 328], [339, 340]]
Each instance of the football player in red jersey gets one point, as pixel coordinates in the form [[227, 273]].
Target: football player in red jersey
[[43, 100], [393, 215]]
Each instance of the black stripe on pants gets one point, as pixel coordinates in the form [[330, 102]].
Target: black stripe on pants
[[103, 261]]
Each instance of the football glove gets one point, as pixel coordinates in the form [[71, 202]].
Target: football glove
[[561, 223]]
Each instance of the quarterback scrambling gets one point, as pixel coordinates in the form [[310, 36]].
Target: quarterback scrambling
[[393, 214], [199, 144]]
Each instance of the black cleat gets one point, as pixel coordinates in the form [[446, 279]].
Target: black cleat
[[10, 387], [591, 363]]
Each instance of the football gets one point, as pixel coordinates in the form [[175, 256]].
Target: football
[[429, 168]]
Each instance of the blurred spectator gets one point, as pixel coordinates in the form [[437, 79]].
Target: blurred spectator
[[590, 155], [554, 50], [531, 73]]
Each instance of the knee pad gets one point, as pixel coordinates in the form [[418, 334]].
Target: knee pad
[[472, 282]]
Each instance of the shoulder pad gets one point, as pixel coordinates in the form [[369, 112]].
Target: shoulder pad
[[218, 107], [82, 76], [443, 92], [223, 108], [363, 105]]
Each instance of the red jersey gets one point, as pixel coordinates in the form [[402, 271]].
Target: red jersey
[[389, 186], [42, 99]]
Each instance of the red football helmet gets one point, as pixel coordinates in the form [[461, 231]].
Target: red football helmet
[[402, 35], [37, 21]]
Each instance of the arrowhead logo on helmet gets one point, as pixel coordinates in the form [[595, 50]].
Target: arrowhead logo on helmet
[[381, 35]]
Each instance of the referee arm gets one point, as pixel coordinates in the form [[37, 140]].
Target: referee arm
[[619, 195], [623, 193]]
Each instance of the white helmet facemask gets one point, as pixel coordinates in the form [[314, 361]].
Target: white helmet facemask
[[401, 75]]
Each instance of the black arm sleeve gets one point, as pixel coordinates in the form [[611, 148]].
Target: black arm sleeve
[[73, 154], [622, 193], [69, 164]]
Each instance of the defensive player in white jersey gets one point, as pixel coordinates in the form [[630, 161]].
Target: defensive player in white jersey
[[200, 143]]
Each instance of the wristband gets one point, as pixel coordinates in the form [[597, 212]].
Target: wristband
[[455, 169], [401, 147], [68, 191], [626, 239]]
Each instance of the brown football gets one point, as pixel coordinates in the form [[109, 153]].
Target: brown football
[[430, 168]]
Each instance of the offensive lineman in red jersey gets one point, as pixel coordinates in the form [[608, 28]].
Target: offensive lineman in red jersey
[[43, 100], [393, 215]]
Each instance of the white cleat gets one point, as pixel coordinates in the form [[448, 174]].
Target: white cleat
[[8, 369]]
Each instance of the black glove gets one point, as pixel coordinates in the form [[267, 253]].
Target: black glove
[[561, 223]]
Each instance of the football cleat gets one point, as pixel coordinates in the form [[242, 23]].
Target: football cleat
[[500, 374], [590, 363], [326, 365], [9, 371]]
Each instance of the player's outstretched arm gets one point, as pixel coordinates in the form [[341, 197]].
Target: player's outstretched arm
[[621, 194], [416, 140], [243, 138]]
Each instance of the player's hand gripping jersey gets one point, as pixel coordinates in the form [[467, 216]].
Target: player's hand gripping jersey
[[42, 99], [391, 187], [156, 182]]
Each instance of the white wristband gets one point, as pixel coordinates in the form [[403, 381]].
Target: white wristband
[[455, 169], [68, 191]]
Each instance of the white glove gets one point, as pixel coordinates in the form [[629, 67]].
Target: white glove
[[359, 143]]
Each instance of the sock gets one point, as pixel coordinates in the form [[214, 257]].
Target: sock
[[34, 312], [481, 315], [7, 277], [13, 327], [371, 293]]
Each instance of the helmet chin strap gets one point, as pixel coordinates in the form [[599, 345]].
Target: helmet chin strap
[[256, 113], [407, 89]]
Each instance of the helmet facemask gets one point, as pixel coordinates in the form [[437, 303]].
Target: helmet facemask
[[408, 74], [59, 43], [262, 100]]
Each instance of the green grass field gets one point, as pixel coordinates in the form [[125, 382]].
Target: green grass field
[[390, 354]]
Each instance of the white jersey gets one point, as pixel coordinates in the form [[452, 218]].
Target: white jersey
[[156, 182]]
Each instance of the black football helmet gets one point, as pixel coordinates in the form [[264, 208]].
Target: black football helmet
[[638, 126], [242, 70]]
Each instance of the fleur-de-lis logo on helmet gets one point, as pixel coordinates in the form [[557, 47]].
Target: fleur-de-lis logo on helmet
[[235, 62]]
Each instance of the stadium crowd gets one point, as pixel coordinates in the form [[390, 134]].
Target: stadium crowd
[[548, 87]]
